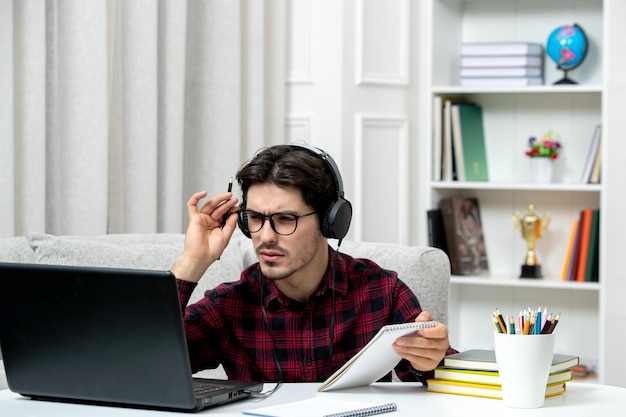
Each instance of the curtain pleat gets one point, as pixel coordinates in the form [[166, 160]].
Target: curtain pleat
[[29, 114], [213, 95], [139, 73], [76, 147], [113, 112], [171, 114], [8, 172]]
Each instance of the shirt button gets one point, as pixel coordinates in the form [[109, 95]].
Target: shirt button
[[308, 362]]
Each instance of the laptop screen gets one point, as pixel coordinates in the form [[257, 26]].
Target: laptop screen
[[94, 334]]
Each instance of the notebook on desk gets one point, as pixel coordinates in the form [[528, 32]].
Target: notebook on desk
[[100, 335]]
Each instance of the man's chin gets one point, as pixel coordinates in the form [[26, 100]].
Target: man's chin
[[273, 272]]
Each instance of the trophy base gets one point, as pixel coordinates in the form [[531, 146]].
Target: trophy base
[[531, 271]]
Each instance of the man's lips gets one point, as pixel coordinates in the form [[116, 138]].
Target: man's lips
[[270, 255]]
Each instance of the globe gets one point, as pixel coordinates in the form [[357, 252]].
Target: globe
[[567, 46]]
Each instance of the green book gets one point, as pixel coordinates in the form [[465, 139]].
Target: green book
[[591, 269], [472, 142]]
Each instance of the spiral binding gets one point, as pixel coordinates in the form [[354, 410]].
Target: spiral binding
[[369, 411], [417, 325]]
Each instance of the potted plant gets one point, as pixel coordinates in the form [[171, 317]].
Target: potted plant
[[542, 154]]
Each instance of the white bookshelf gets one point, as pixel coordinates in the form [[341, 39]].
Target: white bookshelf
[[511, 116]]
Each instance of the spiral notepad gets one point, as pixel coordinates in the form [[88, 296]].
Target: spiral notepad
[[375, 359], [323, 406]]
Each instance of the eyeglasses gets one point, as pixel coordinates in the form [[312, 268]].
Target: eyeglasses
[[282, 223]]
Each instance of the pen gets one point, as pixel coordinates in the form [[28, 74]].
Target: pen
[[230, 189]]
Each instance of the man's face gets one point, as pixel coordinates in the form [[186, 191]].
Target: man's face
[[281, 256]]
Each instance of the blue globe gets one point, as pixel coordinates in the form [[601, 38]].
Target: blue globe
[[567, 46]]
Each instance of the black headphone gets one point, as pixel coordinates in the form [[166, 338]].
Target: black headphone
[[336, 220]]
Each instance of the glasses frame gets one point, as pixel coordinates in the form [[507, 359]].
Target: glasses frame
[[270, 218]]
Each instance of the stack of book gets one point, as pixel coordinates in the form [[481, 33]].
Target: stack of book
[[581, 259], [501, 64], [475, 373]]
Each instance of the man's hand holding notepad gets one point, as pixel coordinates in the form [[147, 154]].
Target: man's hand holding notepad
[[375, 360]]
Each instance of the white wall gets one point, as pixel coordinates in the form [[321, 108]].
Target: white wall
[[350, 91]]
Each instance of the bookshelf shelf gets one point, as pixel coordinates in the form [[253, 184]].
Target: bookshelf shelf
[[496, 186], [544, 89], [510, 116], [525, 283]]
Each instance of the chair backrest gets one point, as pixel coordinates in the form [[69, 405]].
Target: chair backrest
[[425, 270]]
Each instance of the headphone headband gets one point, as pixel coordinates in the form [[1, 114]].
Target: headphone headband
[[328, 161]]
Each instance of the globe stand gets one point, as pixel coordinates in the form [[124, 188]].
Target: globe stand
[[565, 80]]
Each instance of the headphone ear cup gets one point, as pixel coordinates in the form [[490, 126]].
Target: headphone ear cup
[[336, 222], [241, 222]]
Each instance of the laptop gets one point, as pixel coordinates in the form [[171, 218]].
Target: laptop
[[101, 336]]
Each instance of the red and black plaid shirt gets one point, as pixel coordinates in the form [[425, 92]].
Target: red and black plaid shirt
[[227, 325]]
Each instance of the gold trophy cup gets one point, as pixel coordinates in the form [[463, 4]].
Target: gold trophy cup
[[532, 228]]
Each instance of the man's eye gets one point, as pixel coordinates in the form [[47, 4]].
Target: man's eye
[[254, 216], [285, 218]]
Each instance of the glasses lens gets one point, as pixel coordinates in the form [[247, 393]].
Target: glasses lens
[[252, 219], [284, 223], [281, 223]]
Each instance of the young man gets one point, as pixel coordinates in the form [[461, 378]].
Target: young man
[[304, 309]]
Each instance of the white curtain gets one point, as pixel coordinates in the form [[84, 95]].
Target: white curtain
[[113, 112]]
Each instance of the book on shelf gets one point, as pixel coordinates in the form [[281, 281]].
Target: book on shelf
[[594, 178], [464, 235], [375, 360], [322, 406], [489, 377], [502, 72], [570, 250], [591, 271], [436, 231], [501, 81], [442, 136], [502, 61], [457, 144], [501, 48], [585, 232], [574, 255], [482, 390], [469, 142], [485, 360], [591, 155]]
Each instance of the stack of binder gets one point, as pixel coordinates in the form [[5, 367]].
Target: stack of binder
[[501, 64]]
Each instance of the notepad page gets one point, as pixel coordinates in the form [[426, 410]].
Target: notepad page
[[375, 359]]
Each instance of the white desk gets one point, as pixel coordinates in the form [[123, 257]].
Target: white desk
[[581, 399]]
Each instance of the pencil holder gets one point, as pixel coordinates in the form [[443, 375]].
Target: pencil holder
[[523, 364]]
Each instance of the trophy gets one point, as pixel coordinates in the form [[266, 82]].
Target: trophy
[[532, 228]]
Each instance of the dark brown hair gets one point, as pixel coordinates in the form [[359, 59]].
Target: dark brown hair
[[285, 165]]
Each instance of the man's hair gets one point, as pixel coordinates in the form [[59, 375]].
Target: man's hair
[[285, 165]]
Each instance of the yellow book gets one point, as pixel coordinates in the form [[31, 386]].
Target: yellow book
[[489, 377], [570, 246], [482, 390]]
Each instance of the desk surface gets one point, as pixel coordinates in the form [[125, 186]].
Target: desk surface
[[581, 399]]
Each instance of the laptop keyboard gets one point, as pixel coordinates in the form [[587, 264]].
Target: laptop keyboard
[[205, 388], [202, 390]]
